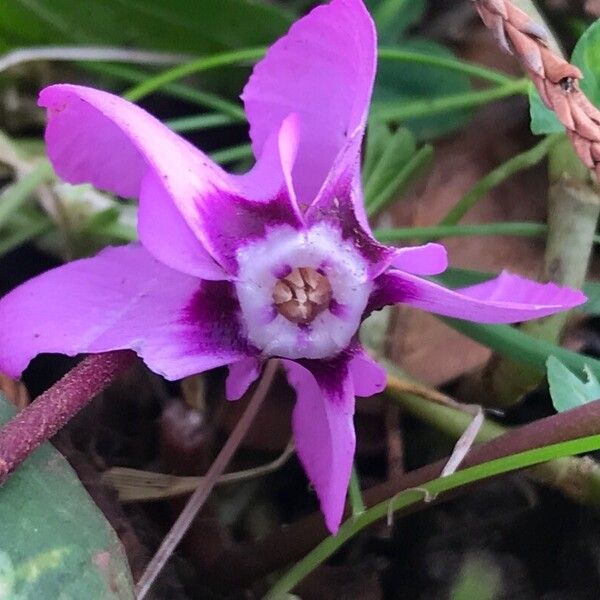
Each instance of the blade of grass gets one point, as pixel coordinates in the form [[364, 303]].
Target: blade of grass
[[444, 62], [396, 112], [524, 228], [177, 90], [513, 165], [203, 63], [403, 179], [232, 154], [521, 347], [430, 489], [197, 122], [25, 233], [354, 493], [399, 149]]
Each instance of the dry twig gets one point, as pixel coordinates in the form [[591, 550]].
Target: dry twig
[[556, 80], [198, 498]]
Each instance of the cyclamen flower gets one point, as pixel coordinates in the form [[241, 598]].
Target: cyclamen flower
[[233, 270]]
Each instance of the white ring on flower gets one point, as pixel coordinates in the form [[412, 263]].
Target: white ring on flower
[[263, 262]]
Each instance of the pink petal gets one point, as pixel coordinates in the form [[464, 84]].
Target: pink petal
[[192, 213], [96, 137], [368, 377], [429, 259], [506, 299], [323, 69], [242, 375], [324, 431], [122, 298], [338, 204]]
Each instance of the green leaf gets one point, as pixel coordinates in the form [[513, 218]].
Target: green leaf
[[401, 84], [54, 541], [170, 25], [592, 291], [566, 389], [543, 120], [378, 138], [586, 56], [399, 149], [394, 17]]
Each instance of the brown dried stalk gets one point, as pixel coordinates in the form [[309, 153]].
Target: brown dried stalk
[[199, 497], [556, 80]]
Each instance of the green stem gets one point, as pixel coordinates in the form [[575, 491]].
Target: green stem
[[419, 108], [356, 500], [402, 180], [513, 165], [435, 232], [204, 63], [445, 62], [233, 154], [177, 90], [414, 496], [197, 122]]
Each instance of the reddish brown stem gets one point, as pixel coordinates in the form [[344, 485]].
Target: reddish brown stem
[[39, 421]]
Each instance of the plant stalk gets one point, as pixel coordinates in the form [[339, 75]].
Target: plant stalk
[[288, 544], [47, 414]]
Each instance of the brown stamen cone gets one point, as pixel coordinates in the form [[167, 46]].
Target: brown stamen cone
[[302, 295]]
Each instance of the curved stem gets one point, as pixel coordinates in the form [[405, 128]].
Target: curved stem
[[204, 63], [445, 62], [419, 108], [524, 228], [513, 165], [176, 90], [38, 422]]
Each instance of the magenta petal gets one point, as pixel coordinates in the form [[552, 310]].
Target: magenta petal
[[506, 299], [96, 137], [429, 259], [324, 431], [192, 214], [323, 70], [368, 377], [122, 298], [242, 375], [339, 204]]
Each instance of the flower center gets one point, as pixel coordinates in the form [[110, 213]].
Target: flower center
[[302, 295]]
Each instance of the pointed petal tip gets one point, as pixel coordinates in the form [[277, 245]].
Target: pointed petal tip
[[333, 47], [506, 299]]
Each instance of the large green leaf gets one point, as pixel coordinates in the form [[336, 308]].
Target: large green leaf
[[54, 541], [176, 25], [586, 56]]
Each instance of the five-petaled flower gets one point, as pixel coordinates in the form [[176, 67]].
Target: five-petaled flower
[[232, 270]]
